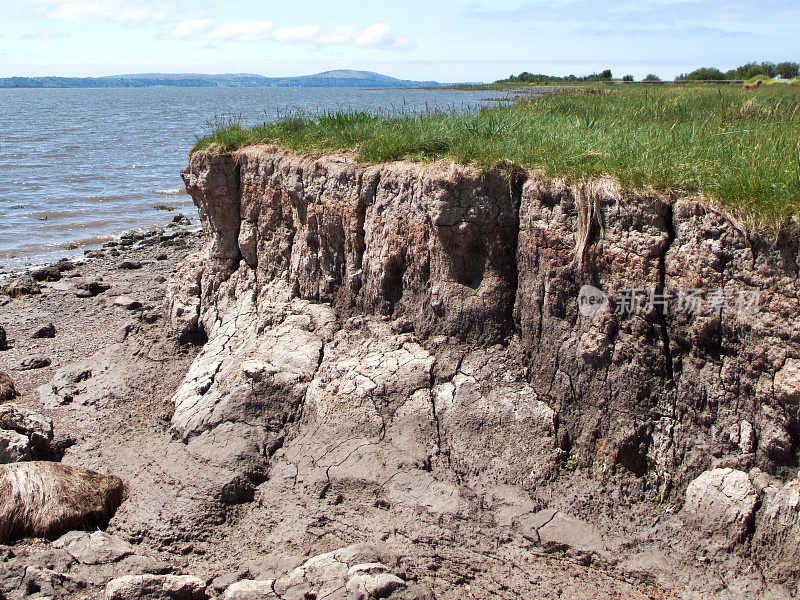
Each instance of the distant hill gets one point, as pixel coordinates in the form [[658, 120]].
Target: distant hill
[[338, 78]]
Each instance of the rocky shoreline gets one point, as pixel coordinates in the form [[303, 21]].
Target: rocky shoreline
[[378, 381]]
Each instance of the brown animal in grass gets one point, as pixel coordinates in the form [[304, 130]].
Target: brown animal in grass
[[48, 499], [754, 85]]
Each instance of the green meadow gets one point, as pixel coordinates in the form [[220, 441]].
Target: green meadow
[[735, 147]]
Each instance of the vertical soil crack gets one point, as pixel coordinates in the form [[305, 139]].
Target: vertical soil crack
[[662, 290], [516, 182]]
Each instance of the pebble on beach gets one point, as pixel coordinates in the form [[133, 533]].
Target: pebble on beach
[[46, 332]]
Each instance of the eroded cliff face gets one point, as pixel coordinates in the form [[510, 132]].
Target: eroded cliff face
[[414, 332]]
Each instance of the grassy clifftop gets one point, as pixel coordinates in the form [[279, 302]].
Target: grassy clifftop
[[739, 147]]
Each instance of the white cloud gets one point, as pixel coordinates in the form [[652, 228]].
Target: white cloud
[[302, 33], [204, 29], [118, 11], [246, 31], [190, 29], [378, 35], [340, 35]]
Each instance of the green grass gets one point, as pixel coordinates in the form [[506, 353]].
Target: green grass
[[739, 148]]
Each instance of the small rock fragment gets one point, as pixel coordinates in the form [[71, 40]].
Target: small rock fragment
[[91, 289], [36, 362], [45, 332], [46, 274], [747, 437], [156, 587], [127, 303], [95, 548], [251, 590], [372, 580], [14, 447], [38, 430], [65, 265], [3, 340], [130, 265], [7, 390]]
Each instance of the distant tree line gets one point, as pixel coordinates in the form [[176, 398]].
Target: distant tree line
[[786, 70], [526, 77]]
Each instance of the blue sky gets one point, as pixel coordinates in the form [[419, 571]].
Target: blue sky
[[446, 40]]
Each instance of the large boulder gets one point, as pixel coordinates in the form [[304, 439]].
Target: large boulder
[[44, 499], [156, 587], [722, 502]]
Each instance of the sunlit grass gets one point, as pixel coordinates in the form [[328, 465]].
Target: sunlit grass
[[739, 148]]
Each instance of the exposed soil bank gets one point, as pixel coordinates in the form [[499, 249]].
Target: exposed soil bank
[[396, 355], [476, 279]]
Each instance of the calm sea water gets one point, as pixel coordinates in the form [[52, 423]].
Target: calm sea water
[[80, 166]]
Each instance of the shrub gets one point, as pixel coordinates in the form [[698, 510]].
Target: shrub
[[788, 70], [702, 74]]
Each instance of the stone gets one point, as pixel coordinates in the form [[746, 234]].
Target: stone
[[95, 548], [7, 390], [372, 580], [127, 303], [747, 437], [91, 288], [251, 590], [14, 447], [156, 587], [36, 428], [774, 437], [47, 583], [137, 564], [35, 362], [44, 499], [45, 332], [130, 265], [722, 502], [3, 339], [65, 265], [323, 575], [24, 285], [49, 274]]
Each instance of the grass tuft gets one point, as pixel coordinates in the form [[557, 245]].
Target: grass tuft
[[741, 148]]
